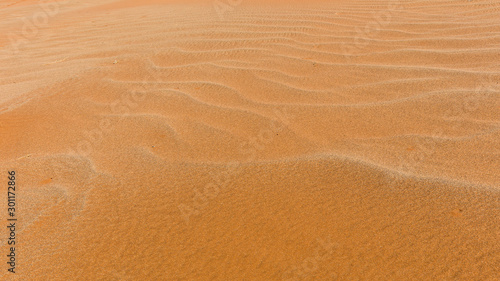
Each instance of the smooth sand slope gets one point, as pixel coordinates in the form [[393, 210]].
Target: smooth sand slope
[[344, 140]]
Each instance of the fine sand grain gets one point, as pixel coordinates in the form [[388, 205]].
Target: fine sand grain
[[251, 140]]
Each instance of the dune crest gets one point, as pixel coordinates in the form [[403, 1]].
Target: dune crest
[[243, 140]]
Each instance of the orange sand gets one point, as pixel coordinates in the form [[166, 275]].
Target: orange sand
[[169, 140]]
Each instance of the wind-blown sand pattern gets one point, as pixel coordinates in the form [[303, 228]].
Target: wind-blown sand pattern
[[245, 140]]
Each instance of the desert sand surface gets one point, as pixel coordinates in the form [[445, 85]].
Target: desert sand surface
[[251, 140]]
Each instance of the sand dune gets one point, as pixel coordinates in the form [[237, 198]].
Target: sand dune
[[168, 140]]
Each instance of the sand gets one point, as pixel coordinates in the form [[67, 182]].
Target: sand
[[251, 140]]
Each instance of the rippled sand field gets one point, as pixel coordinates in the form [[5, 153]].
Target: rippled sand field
[[248, 140]]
